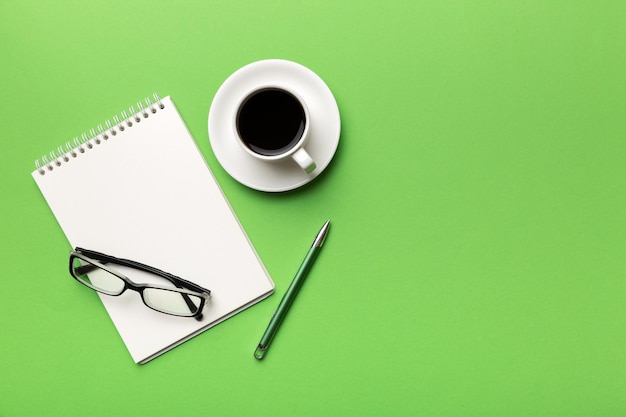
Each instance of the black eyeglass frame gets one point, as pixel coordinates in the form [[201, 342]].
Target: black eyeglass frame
[[183, 286]]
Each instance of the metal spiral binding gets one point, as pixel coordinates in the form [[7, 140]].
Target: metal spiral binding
[[89, 140]]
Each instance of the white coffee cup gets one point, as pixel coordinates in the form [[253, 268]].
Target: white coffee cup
[[272, 124]]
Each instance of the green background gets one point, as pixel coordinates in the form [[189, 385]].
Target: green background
[[476, 262]]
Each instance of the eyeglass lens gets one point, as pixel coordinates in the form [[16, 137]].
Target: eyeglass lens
[[96, 278], [172, 302]]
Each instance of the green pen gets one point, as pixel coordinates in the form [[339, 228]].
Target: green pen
[[291, 293]]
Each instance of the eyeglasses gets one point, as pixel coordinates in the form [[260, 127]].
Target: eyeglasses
[[177, 297]]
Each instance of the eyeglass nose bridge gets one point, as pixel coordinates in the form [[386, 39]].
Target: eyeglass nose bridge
[[131, 285], [141, 286]]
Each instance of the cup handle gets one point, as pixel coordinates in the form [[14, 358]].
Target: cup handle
[[304, 160]]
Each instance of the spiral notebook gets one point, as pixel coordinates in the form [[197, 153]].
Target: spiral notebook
[[138, 188]]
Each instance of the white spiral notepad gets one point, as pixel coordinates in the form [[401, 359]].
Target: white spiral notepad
[[138, 188]]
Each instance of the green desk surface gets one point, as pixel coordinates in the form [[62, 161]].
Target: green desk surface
[[476, 265]]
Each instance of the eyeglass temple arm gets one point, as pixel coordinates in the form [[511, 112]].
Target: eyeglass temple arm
[[85, 269], [103, 258]]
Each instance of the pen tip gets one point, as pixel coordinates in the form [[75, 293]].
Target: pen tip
[[321, 236]]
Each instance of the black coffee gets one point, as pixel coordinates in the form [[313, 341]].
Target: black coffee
[[271, 121]]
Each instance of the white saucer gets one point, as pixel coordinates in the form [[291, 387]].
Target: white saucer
[[324, 129]]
